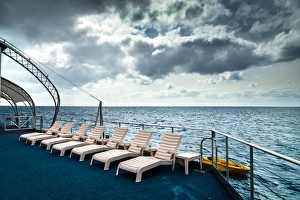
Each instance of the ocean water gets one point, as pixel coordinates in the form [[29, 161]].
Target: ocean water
[[273, 128]]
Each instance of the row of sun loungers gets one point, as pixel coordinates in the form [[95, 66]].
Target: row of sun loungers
[[109, 150]]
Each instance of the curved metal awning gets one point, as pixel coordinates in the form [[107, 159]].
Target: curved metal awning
[[33, 67], [15, 94]]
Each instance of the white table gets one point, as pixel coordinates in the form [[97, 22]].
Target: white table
[[188, 156]]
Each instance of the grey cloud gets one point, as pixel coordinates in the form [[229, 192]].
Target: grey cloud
[[199, 56], [169, 86], [235, 76], [254, 85], [272, 18], [46, 20], [256, 22], [289, 53]]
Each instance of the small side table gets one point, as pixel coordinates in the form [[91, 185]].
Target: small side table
[[188, 156]]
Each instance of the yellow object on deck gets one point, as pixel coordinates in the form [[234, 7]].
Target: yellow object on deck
[[233, 167]]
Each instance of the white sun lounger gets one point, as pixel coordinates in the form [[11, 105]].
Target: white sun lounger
[[80, 133], [91, 139], [64, 132], [135, 149], [165, 155], [112, 143], [54, 128]]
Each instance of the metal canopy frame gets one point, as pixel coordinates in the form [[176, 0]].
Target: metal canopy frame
[[15, 94], [30, 65]]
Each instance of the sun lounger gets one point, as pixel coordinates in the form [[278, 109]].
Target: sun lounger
[[64, 132], [135, 149], [112, 143], [165, 155], [76, 136], [91, 139], [54, 128]]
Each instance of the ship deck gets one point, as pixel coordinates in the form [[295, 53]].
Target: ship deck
[[30, 172]]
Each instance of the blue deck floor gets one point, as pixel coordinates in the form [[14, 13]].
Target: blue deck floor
[[30, 172]]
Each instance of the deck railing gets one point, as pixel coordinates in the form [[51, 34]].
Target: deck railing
[[23, 122], [215, 136]]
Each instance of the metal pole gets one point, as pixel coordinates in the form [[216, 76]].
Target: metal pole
[[212, 146], [99, 112], [0, 73], [227, 171], [251, 174]]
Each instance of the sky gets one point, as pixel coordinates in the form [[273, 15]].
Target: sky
[[157, 52]]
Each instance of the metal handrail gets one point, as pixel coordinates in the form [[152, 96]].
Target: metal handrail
[[297, 162], [213, 138]]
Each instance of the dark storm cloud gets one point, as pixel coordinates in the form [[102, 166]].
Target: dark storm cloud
[[249, 24], [200, 56], [44, 20], [53, 20]]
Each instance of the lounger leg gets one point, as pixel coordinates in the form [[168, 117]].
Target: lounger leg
[[92, 160], [138, 176], [106, 165], [62, 152], [173, 165], [71, 154], [118, 170], [82, 157]]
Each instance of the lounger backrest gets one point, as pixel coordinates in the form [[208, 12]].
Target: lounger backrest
[[117, 137], [95, 135], [168, 146], [141, 141], [55, 127], [67, 127], [81, 131]]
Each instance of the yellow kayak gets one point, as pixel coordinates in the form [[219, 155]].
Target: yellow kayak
[[233, 167]]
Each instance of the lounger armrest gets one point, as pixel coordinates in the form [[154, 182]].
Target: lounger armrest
[[103, 141], [83, 138], [65, 135], [54, 132], [98, 139], [126, 145], [117, 141], [172, 152], [46, 129]]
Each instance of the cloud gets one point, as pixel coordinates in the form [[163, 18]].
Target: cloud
[[234, 76], [169, 86], [254, 85], [153, 39]]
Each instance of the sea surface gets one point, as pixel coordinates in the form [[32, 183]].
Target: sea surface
[[273, 128]]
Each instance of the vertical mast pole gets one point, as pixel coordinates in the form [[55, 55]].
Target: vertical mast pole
[[0, 73], [99, 114]]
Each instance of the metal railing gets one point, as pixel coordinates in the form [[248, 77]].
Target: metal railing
[[214, 151], [23, 122]]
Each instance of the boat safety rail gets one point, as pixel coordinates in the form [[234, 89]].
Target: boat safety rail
[[22, 122], [214, 136], [142, 125], [251, 149]]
